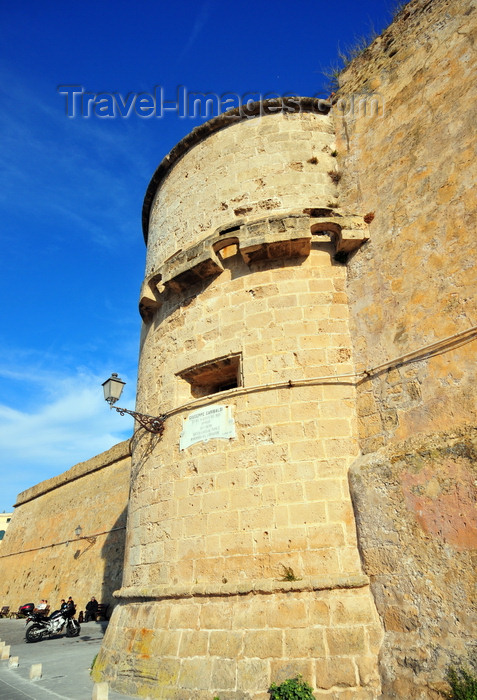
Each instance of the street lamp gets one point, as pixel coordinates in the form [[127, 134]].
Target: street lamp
[[78, 532], [112, 388]]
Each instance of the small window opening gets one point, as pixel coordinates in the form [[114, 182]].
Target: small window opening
[[221, 374], [231, 229]]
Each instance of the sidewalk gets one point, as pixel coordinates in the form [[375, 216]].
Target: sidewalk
[[66, 664]]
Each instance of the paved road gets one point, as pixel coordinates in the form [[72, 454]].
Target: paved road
[[66, 664]]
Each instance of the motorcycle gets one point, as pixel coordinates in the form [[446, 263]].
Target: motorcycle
[[25, 610], [48, 626]]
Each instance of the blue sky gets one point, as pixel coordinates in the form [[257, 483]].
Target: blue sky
[[72, 187]]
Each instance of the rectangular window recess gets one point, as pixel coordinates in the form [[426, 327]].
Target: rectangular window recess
[[212, 377]]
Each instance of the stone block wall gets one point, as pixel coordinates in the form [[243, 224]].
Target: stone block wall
[[271, 164], [245, 249], [277, 494], [416, 518], [412, 296], [234, 645], [354, 399], [242, 565], [41, 555], [413, 169]]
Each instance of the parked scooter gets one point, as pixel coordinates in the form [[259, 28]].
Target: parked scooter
[[54, 624]]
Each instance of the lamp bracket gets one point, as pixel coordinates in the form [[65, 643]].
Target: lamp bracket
[[150, 423]]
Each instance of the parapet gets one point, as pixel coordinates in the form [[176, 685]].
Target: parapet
[[271, 238], [283, 105], [262, 184]]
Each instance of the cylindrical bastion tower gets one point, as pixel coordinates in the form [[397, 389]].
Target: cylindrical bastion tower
[[242, 566]]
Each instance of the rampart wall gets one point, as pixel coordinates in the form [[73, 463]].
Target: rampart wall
[[410, 287], [41, 555]]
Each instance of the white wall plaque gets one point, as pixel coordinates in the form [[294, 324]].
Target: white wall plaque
[[207, 423]]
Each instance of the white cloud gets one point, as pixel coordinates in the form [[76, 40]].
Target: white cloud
[[71, 426]]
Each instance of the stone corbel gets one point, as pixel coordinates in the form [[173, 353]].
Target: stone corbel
[[275, 237], [181, 271], [271, 238], [347, 232], [150, 298], [191, 266]]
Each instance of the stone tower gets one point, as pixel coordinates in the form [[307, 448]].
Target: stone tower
[[293, 362], [242, 566]]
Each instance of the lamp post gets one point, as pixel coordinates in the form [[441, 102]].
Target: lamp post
[[112, 388]]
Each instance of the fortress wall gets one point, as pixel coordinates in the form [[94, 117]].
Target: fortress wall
[[414, 167], [242, 566], [413, 284], [41, 555]]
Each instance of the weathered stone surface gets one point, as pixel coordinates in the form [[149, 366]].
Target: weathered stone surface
[[264, 178], [257, 530], [246, 659], [41, 555], [377, 357], [415, 504], [412, 168]]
